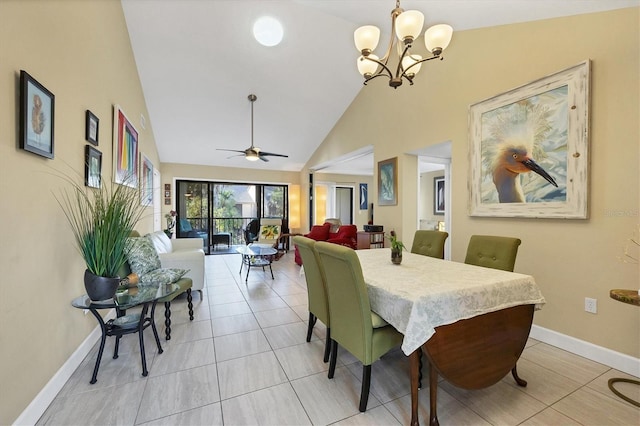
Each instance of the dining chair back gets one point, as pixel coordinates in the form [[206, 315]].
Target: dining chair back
[[429, 243], [316, 289], [492, 252], [353, 325]]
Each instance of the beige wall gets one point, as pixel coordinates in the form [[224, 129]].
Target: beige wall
[[80, 51], [570, 259]]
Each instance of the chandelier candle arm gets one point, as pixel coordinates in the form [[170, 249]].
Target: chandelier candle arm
[[406, 26]]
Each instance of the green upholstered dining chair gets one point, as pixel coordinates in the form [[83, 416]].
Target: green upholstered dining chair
[[316, 289], [353, 325], [429, 243], [492, 252]]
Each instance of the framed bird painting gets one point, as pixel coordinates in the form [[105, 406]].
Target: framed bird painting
[[528, 149], [37, 105]]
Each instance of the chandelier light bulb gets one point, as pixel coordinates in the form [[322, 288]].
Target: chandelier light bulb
[[409, 60], [437, 38], [409, 24], [366, 38], [365, 66]]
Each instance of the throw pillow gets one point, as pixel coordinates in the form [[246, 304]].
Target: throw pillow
[[163, 275], [269, 232], [160, 242], [142, 256], [319, 232]]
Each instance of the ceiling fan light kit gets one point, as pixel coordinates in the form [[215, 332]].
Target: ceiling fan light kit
[[253, 153], [407, 26]]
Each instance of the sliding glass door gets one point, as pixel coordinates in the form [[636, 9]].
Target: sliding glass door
[[219, 212]]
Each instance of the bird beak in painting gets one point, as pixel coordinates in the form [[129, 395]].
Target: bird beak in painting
[[534, 167]]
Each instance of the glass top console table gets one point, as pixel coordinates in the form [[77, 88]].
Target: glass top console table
[[145, 295]]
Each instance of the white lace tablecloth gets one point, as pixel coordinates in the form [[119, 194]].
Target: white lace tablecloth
[[423, 293]]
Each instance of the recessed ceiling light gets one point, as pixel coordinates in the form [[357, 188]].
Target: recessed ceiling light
[[268, 31]]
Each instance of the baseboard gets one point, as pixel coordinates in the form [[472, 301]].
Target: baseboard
[[617, 360], [45, 397]]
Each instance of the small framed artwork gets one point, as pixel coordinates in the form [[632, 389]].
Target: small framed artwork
[[529, 149], [388, 182], [167, 187], [167, 201], [37, 106], [91, 128], [364, 204], [167, 194], [125, 149], [146, 180], [438, 195], [92, 167]]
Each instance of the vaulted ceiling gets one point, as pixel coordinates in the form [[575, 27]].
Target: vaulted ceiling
[[198, 61]]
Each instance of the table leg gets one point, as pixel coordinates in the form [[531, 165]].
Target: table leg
[[271, 269], [103, 339], [153, 326], [433, 395], [620, 394], [414, 361], [143, 314]]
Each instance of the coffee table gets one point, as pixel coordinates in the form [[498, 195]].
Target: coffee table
[[256, 255]]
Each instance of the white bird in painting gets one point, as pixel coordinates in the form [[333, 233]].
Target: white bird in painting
[[515, 137], [510, 161]]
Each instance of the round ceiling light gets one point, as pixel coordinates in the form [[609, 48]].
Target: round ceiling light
[[268, 31]]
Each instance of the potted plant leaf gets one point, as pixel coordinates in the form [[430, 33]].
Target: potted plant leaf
[[101, 221]]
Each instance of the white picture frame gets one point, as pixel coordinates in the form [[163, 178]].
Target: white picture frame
[[543, 125]]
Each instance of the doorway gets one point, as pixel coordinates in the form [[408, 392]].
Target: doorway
[[344, 204]]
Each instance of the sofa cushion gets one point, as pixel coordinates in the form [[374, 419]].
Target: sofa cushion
[[160, 242], [319, 232], [142, 256], [163, 275], [347, 231]]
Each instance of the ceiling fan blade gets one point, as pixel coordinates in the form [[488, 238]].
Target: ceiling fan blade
[[237, 155], [230, 150], [273, 154], [263, 159]]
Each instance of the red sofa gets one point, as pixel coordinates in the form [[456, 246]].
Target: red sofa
[[345, 236]]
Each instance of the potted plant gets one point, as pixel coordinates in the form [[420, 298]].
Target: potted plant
[[101, 221], [396, 248]]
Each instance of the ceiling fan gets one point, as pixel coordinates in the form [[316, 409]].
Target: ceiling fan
[[253, 153]]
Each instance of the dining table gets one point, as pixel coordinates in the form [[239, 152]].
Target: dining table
[[471, 322]]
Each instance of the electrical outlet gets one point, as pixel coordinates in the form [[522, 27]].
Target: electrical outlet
[[591, 305]]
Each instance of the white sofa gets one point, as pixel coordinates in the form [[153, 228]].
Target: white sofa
[[184, 253]]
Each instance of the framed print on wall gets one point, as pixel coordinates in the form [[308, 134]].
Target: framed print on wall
[[91, 128], [92, 167], [37, 107], [388, 182], [364, 203], [528, 149], [125, 149], [438, 195], [146, 180]]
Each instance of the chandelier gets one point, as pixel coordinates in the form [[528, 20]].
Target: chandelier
[[407, 26]]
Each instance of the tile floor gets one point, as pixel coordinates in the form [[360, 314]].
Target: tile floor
[[244, 361]]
